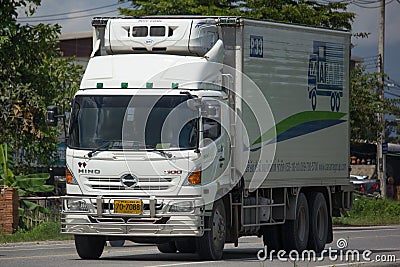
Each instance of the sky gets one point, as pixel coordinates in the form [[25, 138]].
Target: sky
[[367, 20]]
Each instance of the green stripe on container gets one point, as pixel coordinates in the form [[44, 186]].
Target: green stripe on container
[[297, 119]]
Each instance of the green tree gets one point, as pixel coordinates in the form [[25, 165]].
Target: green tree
[[365, 104], [32, 76], [313, 13]]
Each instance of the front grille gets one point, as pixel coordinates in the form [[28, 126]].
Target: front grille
[[127, 220], [144, 183], [112, 187]]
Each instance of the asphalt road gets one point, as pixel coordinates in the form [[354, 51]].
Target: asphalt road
[[376, 246]]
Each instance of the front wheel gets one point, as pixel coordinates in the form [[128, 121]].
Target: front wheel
[[211, 245], [89, 247], [314, 99], [333, 101]]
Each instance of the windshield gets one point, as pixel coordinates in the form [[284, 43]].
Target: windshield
[[132, 122]]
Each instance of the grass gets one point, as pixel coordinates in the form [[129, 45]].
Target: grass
[[42, 232], [371, 211]]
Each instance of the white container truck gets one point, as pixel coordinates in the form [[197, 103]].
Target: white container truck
[[191, 132]]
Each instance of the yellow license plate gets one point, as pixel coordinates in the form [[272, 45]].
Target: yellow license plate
[[128, 206]]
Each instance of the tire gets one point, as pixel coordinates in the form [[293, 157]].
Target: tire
[[167, 247], [333, 101], [272, 237], [187, 245], [89, 247], [319, 222], [314, 99], [337, 105], [117, 243], [296, 232], [211, 245]]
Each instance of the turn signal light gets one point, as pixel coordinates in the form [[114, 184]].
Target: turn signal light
[[68, 176], [195, 177]]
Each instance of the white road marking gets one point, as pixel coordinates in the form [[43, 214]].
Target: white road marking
[[183, 263]]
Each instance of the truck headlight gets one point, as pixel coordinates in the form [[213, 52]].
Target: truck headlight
[[184, 206], [77, 205]]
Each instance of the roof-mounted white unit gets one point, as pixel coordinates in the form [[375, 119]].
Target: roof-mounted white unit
[[169, 36]]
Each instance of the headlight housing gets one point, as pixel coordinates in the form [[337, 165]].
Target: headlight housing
[[77, 205], [183, 206]]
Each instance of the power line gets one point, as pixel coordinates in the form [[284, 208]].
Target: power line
[[68, 13], [76, 17], [392, 94]]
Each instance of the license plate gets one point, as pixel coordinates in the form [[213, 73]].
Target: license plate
[[128, 206]]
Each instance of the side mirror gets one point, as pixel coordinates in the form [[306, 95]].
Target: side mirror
[[211, 110], [193, 104], [211, 130], [52, 116]]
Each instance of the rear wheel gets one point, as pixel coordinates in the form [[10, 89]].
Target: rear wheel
[[89, 247], [337, 106], [211, 245], [319, 222], [295, 232], [167, 247]]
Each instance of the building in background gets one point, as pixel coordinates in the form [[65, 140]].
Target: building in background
[[78, 45]]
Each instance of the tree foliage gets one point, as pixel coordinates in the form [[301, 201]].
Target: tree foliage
[[365, 104], [313, 13], [32, 76]]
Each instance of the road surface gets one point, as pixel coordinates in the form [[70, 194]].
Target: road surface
[[374, 246]]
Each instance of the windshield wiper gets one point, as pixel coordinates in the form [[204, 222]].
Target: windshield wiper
[[162, 152], [103, 147]]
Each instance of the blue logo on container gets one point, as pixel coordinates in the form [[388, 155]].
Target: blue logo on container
[[256, 46], [325, 73], [149, 41]]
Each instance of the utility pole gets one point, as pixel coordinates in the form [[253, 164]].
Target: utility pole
[[381, 158]]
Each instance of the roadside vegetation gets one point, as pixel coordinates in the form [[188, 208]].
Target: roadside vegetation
[[365, 211], [371, 211], [43, 232]]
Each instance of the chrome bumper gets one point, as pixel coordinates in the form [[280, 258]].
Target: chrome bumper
[[95, 216]]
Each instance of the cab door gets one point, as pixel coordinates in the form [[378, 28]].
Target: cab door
[[215, 144]]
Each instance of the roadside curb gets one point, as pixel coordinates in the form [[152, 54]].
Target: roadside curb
[[32, 243]]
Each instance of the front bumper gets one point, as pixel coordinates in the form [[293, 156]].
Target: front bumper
[[95, 216]]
